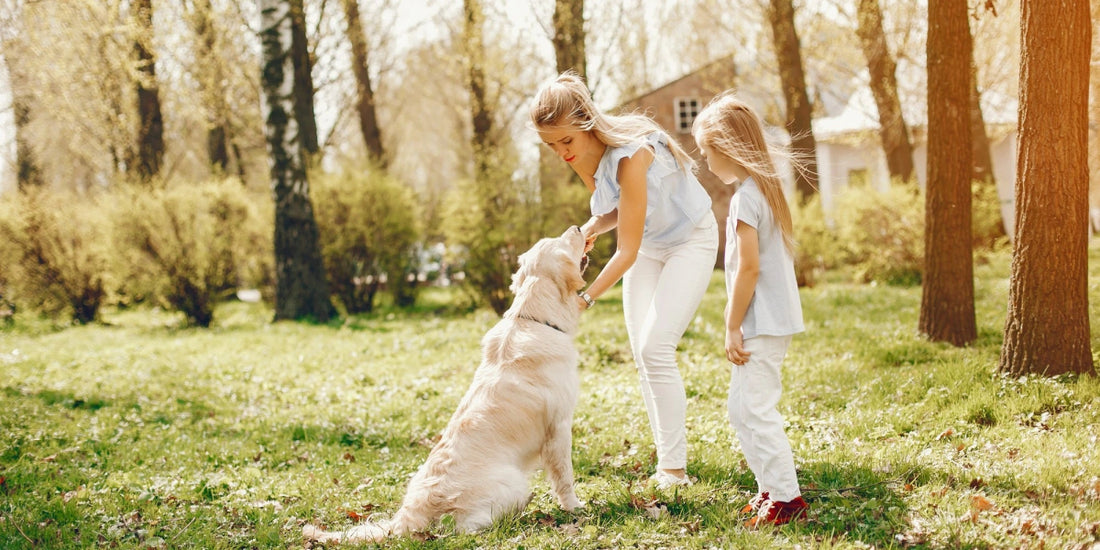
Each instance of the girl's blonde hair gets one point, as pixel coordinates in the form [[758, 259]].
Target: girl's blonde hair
[[566, 102], [730, 127]]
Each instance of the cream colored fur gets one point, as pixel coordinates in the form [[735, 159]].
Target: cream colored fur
[[516, 416]]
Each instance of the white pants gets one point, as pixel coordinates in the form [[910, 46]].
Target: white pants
[[755, 388], [661, 292]]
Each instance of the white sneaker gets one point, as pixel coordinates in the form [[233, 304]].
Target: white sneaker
[[665, 480]]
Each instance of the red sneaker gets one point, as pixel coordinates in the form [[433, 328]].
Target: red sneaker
[[754, 504], [779, 513]]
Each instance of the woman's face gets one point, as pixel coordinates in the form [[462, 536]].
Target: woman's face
[[576, 147], [727, 169]]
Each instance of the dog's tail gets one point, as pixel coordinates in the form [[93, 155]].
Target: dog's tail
[[375, 532], [404, 522]]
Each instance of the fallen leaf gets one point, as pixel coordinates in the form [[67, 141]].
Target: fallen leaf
[[945, 434], [978, 504]]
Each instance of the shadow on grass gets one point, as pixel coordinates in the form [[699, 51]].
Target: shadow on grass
[[856, 503], [65, 399]]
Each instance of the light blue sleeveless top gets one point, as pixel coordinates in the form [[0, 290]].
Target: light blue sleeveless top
[[675, 201]]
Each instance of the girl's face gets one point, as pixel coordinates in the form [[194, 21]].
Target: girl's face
[[576, 147], [727, 169]]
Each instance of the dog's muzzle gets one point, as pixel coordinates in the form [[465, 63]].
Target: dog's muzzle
[[584, 263]]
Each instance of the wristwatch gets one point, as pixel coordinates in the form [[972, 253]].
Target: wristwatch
[[587, 299]]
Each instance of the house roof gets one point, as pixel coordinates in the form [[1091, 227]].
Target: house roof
[[860, 113]]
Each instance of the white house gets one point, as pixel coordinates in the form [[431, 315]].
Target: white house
[[849, 148]]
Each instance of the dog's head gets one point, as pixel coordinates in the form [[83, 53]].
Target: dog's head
[[560, 260]]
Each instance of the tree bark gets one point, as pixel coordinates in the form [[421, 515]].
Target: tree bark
[[569, 37], [150, 136], [884, 85], [947, 302], [303, 80], [1047, 328], [788, 51], [368, 117], [301, 290]]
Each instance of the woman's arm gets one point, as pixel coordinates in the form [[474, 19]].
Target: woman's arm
[[744, 286], [630, 220], [598, 225]]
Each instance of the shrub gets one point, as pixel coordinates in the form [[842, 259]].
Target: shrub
[[369, 228], [882, 233], [191, 245], [492, 226], [57, 252], [817, 249], [988, 226]]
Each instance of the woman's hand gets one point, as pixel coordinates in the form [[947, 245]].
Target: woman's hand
[[735, 347], [581, 303], [589, 242]]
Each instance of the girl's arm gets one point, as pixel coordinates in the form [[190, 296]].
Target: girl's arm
[[744, 286], [630, 220]]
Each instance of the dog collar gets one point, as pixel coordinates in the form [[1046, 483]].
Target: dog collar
[[547, 323]]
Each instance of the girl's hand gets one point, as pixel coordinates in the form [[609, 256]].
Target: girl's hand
[[735, 347], [589, 242]]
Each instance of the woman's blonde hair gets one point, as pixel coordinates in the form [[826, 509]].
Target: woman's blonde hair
[[730, 127], [566, 102]]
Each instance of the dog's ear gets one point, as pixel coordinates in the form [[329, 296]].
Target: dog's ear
[[528, 264]]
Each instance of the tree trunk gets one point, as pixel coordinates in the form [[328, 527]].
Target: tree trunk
[[480, 114], [368, 118], [494, 257], [208, 65], [303, 80], [569, 36], [27, 172], [301, 291], [983, 160], [884, 86], [1047, 328], [788, 51], [1094, 126], [947, 302], [150, 136], [983, 157]]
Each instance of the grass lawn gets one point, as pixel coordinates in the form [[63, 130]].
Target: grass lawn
[[140, 434]]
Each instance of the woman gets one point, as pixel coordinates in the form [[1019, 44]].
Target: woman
[[642, 185]]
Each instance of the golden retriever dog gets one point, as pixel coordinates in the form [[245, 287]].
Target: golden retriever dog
[[517, 414]]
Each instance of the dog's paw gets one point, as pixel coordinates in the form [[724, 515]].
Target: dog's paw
[[571, 504]]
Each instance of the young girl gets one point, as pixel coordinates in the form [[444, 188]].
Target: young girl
[[763, 309], [642, 184]]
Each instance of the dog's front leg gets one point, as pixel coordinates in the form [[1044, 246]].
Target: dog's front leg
[[558, 461]]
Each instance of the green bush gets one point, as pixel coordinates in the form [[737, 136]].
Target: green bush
[[57, 252], [190, 246], [491, 225], [988, 227], [881, 233], [818, 249], [369, 228]]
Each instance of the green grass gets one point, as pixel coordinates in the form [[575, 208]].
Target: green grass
[[140, 434]]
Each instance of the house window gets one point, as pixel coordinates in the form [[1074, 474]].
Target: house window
[[686, 110]]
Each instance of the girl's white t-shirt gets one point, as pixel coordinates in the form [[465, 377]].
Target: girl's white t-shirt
[[775, 308]]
